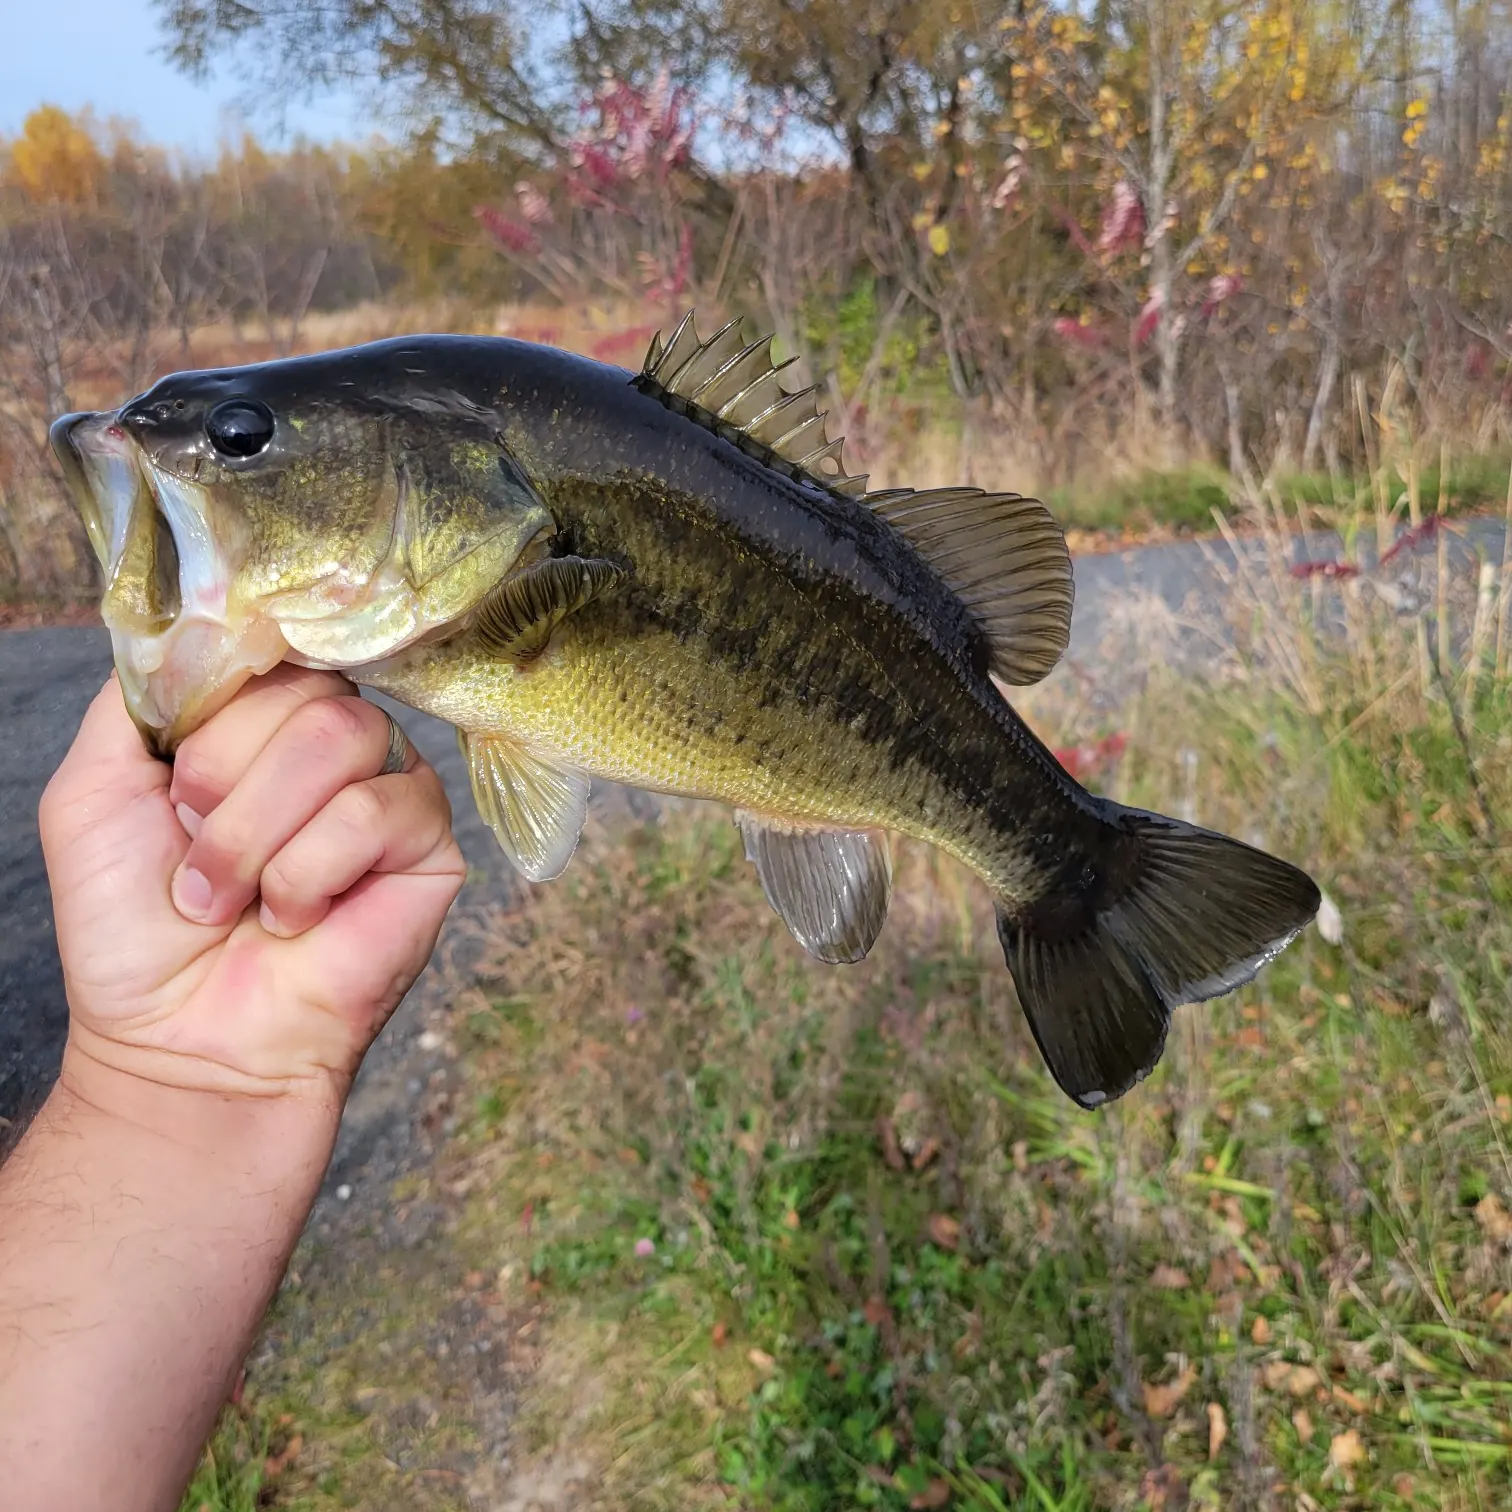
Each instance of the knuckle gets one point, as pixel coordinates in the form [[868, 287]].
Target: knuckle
[[223, 844], [53, 807], [197, 775], [363, 808], [333, 722], [285, 879]]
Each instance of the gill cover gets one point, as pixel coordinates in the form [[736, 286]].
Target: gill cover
[[328, 532]]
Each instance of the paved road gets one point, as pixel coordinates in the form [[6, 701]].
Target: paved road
[[48, 676]]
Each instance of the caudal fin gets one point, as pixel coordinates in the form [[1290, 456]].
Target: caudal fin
[[1161, 913]]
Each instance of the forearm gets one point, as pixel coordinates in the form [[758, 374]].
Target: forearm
[[143, 1231]]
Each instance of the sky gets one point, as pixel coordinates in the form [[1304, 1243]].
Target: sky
[[108, 54]]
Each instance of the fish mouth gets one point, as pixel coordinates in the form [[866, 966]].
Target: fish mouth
[[182, 650]]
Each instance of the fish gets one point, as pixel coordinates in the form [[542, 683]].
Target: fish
[[666, 578]]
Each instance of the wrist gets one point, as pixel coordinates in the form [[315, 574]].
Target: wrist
[[271, 1144]]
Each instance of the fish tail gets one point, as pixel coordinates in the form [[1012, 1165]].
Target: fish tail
[[1152, 912]]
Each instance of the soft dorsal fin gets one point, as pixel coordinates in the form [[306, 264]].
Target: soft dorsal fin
[[830, 886], [535, 810], [734, 388], [1004, 557], [517, 618]]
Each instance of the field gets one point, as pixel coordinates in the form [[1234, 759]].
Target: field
[[1121, 479], [719, 1227]]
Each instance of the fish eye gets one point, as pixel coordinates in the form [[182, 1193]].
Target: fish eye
[[239, 428]]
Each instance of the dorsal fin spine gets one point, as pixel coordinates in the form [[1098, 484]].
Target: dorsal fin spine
[[723, 372]]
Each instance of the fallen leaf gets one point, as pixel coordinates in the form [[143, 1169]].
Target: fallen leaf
[[719, 1333], [1494, 1218], [935, 1494], [276, 1464], [1227, 1269], [1275, 1374], [891, 1152], [1250, 1037], [1303, 1381], [1169, 1278], [927, 1152], [790, 1218], [876, 1311], [944, 1230], [1260, 1331], [1303, 1424], [1217, 1429], [761, 1360], [1350, 1400], [1162, 1401], [1163, 1490], [1404, 1485], [1020, 1152], [1346, 1449]]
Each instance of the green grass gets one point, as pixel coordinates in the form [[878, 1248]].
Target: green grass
[[1184, 499], [891, 1266]]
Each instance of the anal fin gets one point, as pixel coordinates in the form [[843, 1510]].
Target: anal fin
[[536, 810], [831, 887]]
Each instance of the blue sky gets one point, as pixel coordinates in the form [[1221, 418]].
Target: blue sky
[[107, 53]]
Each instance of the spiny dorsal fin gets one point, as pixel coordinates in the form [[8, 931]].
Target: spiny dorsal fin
[[1004, 557], [517, 618], [734, 388]]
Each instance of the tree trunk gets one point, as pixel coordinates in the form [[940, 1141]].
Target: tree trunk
[[1328, 376], [1157, 189]]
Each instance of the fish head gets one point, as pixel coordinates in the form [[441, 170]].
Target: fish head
[[302, 510]]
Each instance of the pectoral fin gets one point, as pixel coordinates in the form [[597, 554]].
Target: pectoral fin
[[517, 618], [831, 887], [536, 810]]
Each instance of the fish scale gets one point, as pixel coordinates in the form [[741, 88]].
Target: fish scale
[[670, 579]]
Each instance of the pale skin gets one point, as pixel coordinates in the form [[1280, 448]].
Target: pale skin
[[234, 930]]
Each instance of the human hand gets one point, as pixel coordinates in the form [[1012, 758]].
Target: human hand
[[245, 921]]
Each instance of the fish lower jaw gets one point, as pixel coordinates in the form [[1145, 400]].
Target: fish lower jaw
[[174, 681]]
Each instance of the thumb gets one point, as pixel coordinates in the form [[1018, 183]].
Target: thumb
[[107, 767]]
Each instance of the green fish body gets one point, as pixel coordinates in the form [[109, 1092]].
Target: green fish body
[[665, 579]]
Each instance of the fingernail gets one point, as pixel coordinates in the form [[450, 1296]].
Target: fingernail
[[189, 819], [266, 919], [191, 893]]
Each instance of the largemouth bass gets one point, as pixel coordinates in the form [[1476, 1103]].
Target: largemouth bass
[[667, 579]]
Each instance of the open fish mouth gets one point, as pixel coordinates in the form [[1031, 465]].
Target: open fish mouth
[[182, 647]]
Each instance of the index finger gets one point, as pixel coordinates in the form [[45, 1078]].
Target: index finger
[[221, 752]]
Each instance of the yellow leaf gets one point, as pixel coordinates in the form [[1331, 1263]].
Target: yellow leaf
[[1217, 1429], [1162, 1401], [1493, 1218], [939, 240], [1346, 1449]]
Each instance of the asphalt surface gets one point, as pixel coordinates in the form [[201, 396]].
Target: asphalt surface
[[47, 678]]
